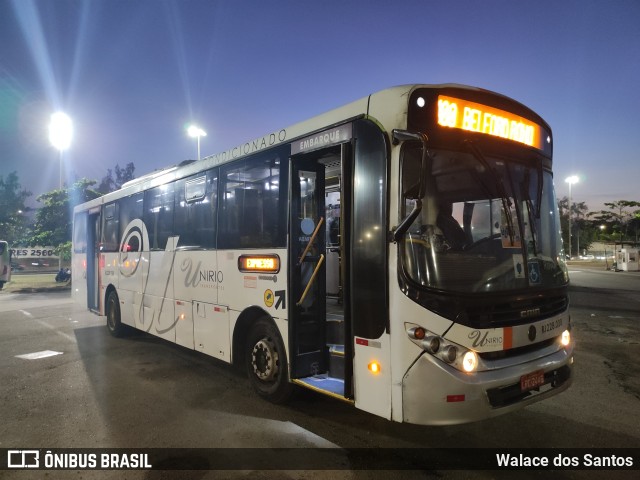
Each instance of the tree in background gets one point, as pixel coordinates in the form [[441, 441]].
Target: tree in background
[[623, 217], [13, 224], [54, 220], [583, 231], [123, 175]]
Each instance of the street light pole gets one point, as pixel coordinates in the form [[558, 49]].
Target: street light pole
[[60, 135], [196, 132], [570, 180], [60, 168]]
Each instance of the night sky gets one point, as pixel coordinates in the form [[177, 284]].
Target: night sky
[[133, 74]]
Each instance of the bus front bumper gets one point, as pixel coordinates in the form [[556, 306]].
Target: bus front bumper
[[437, 394]]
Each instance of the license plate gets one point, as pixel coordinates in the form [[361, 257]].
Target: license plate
[[531, 380]]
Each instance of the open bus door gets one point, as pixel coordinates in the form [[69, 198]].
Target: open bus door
[[306, 263], [320, 338], [93, 257]]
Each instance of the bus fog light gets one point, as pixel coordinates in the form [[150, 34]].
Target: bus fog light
[[431, 344], [470, 361], [449, 354], [565, 339]]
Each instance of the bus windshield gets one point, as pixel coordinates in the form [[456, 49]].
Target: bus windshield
[[487, 224]]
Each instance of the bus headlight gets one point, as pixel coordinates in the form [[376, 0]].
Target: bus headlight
[[565, 339], [470, 361], [457, 356]]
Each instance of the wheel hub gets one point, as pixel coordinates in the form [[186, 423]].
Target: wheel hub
[[264, 359]]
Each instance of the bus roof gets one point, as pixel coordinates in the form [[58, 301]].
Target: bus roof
[[383, 107]]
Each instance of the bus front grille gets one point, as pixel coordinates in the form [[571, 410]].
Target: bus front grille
[[516, 312]]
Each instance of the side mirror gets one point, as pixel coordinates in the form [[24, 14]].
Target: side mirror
[[415, 190]]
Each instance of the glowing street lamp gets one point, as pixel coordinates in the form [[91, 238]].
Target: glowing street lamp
[[60, 135], [196, 132], [570, 180]]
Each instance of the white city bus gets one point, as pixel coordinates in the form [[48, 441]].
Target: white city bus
[[401, 253]]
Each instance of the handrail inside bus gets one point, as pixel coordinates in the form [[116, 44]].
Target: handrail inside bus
[[311, 280]]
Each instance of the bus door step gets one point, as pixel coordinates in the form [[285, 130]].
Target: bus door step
[[324, 384]]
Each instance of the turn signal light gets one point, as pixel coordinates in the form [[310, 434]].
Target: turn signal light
[[418, 333], [374, 367]]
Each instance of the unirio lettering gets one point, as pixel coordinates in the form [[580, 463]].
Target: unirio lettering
[[211, 276], [195, 276], [480, 340]]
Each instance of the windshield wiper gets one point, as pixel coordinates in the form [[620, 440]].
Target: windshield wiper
[[531, 209], [532, 224], [519, 215], [506, 201]]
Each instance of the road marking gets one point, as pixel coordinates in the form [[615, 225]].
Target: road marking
[[39, 355], [51, 327]]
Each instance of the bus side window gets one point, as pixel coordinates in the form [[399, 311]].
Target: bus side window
[[110, 228], [195, 210], [253, 192], [130, 209], [158, 215], [80, 233]]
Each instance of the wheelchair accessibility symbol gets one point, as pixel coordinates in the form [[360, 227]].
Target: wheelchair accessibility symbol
[[534, 273]]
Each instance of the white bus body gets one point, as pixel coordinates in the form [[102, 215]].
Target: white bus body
[[313, 256]]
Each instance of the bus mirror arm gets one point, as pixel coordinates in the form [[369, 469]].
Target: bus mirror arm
[[404, 135], [401, 229]]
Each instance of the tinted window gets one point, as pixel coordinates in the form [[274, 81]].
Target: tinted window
[[158, 215], [369, 251], [110, 241], [253, 206], [195, 217], [80, 233], [130, 209]]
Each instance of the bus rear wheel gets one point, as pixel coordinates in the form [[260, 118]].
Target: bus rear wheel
[[266, 362], [115, 326]]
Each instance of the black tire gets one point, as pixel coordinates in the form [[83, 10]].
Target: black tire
[[115, 326], [266, 362]]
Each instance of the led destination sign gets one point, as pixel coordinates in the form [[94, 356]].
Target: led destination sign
[[476, 117], [259, 263]]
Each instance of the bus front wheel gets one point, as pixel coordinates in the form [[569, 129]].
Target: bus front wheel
[[113, 315], [266, 362]]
